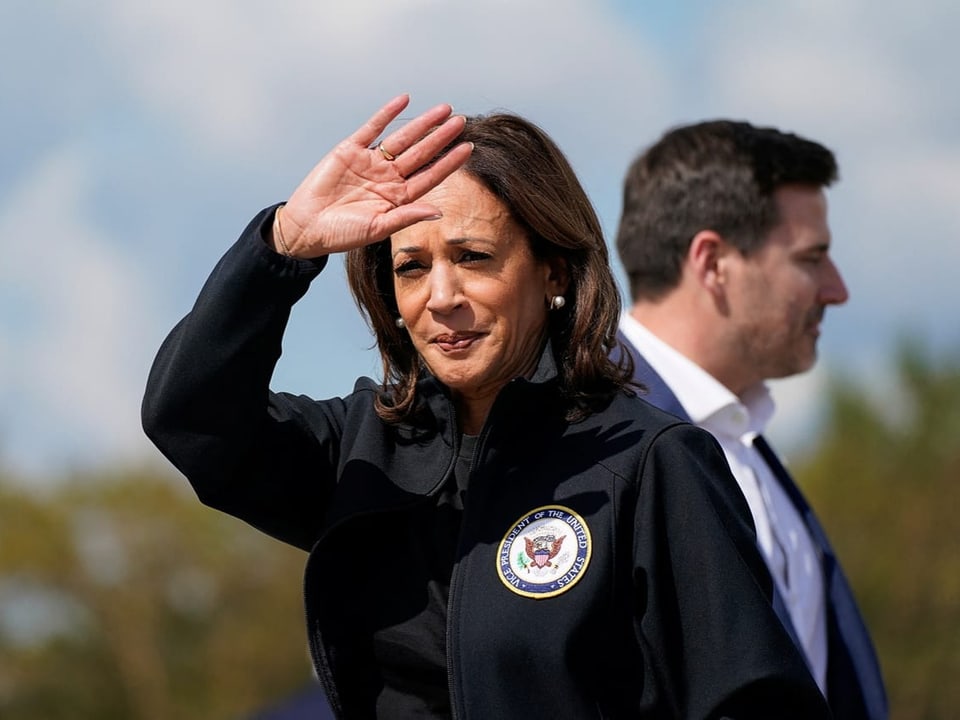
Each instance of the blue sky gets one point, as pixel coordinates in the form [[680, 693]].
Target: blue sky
[[139, 137]]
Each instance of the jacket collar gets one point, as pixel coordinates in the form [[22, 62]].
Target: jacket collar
[[436, 396], [403, 464]]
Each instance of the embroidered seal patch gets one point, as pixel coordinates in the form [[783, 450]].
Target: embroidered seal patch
[[545, 552]]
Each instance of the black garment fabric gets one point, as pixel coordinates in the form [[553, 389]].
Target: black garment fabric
[[855, 685], [410, 654], [654, 601]]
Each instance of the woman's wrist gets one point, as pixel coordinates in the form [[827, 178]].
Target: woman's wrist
[[277, 241]]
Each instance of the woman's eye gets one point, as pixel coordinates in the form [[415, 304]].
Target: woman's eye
[[408, 267], [473, 256]]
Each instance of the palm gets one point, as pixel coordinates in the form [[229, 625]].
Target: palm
[[355, 196]]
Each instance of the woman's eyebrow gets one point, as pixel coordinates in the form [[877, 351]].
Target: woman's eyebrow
[[449, 241]]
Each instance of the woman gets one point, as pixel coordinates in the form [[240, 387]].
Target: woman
[[500, 528]]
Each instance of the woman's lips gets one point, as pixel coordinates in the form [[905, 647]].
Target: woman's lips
[[456, 341]]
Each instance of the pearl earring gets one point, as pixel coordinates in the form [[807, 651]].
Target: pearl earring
[[400, 323], [557, 302]]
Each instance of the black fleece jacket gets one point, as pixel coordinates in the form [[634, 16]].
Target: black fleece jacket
[[604, 569]]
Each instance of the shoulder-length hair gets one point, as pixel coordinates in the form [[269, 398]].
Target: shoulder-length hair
[[517, 162]]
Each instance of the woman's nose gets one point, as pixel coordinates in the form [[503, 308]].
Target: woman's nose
[[444, 288]]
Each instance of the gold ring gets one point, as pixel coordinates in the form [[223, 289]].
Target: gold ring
[[388, 156]]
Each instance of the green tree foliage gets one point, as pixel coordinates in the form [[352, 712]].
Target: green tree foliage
[[885, 484], [121, 596]]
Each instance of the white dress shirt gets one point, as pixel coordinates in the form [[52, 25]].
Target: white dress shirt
[[782, 536]]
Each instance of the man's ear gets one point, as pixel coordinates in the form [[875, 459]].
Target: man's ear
[[706, 260]]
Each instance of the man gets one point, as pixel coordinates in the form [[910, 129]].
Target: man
[[725, 241]]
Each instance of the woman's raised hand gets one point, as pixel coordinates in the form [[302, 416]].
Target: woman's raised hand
[[357, 195]]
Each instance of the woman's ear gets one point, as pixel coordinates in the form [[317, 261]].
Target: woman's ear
[[558, 276]]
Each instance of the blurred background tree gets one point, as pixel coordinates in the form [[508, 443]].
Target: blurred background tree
[[121, 596], [885, 481]]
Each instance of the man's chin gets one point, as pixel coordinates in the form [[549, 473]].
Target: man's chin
[[805, 364], [796, 365]]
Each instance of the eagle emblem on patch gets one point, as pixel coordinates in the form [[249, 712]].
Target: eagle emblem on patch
[[545, 552]]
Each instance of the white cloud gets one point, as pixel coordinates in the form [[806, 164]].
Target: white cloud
[[861, 74], [237, 75], [73, 345], [897, 240]]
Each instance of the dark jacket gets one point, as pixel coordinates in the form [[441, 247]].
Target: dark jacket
[[855, 687], [662, 609]]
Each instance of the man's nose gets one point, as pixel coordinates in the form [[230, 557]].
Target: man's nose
[[834, 290]]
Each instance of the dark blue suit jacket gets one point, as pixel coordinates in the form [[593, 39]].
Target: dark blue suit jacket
[[855, 689]]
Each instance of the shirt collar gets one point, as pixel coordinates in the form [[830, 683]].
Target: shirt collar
[[704, 398]]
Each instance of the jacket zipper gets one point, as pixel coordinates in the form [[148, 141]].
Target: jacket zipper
[[452, 647]]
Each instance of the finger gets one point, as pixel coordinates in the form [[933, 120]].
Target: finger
[[422, 182], [406, 136], [402, 217], [426, 148], [378, 122]]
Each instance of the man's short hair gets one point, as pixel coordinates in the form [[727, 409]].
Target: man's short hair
[[717, 175]]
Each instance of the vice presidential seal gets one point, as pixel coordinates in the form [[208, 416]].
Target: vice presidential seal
[[545, 552]]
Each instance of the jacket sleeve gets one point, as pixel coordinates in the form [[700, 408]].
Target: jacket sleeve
[[707, 628], [266, 458]]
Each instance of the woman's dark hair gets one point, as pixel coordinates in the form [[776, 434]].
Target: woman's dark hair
[[517, 162]]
